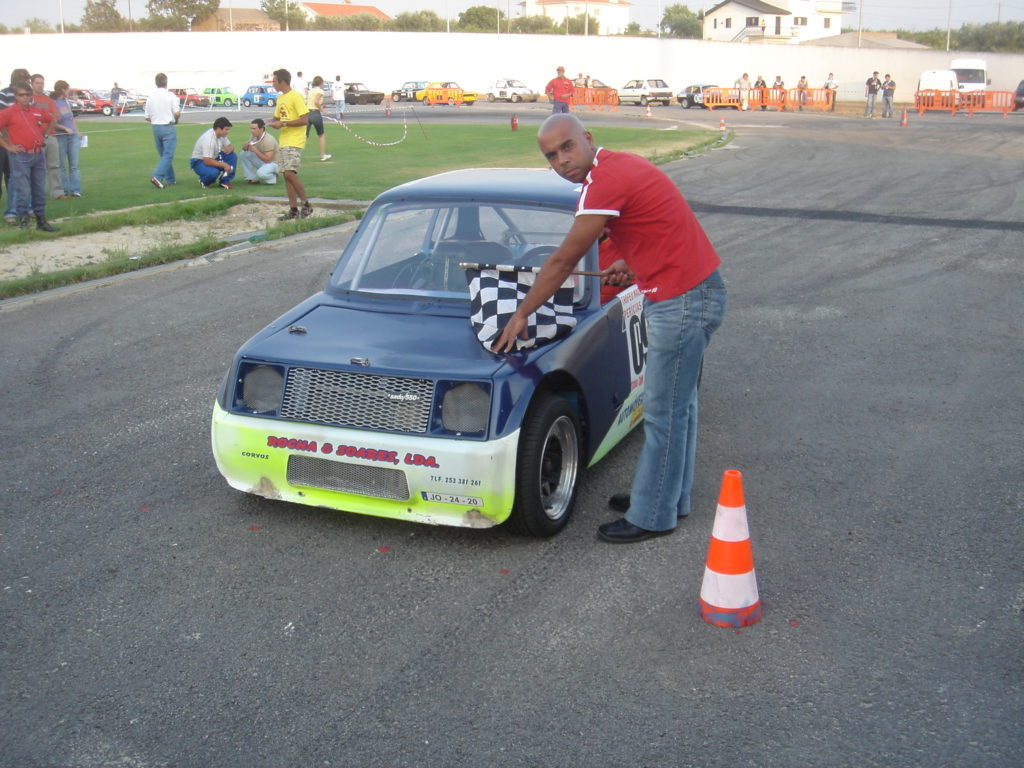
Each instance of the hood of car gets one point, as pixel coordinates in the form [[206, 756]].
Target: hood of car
[[368, 341]]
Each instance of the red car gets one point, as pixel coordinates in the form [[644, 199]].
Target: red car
[[189, 97], [92, 102]]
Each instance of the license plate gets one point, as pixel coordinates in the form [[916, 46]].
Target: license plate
[[451, 498]]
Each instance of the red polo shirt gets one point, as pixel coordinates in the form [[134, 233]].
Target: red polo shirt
[[560, 89], [652, 225], [26, 126]]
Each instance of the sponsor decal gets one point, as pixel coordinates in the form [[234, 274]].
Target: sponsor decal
[[350, 451]]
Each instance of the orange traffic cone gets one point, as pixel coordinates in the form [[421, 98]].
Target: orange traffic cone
[[903, 120], [649, 111], [728, 596]]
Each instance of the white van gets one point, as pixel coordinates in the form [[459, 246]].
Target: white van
[[971, 74], [938, 80]]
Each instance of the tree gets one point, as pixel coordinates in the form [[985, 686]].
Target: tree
[[287, 13], [37, 26], [1007, 37], [535, 25], [102, 16], [481, 18], [680, 21], [359, 22], [177, 12], [579, 25], [418, 21]]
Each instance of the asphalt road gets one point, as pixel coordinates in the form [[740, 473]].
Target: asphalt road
[[867, 381]]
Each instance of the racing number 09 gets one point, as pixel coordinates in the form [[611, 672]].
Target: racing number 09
[[637, 342]]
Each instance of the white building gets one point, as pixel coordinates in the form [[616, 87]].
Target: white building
[[612, 15], [783, 21]]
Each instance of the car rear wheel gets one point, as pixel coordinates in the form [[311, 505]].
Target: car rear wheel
[[246, 103], [547, 470], [515, 98], [271, 102], [228, 103], [643, 101], [490, 97], [107, 111]]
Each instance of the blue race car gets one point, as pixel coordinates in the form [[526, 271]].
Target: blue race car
[[260, 96], [375, 396]]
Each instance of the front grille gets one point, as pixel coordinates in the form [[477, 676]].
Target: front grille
[[359, 400], [381, 482]]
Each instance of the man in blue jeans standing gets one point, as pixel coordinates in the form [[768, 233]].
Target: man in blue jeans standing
[[163, 110], [24, 129], [664, 248]]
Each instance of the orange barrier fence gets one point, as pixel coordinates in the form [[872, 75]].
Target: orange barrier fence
[[595, 98], [723, 97], [442, 96], [987, 101], [941, 101], [810, 98]]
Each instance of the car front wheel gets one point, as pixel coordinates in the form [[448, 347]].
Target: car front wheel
[[228, 103], [246, 103], [107, 111], [547, 469], [515, 98], [271, 102]]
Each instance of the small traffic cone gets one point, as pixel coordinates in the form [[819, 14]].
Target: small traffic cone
[[728, 596], [721, 126], [387, 108], [648, 113], [903, 120]]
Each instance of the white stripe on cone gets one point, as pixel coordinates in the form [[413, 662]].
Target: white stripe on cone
[[729, 591]]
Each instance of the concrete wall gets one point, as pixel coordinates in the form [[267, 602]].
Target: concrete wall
[[383, 60]]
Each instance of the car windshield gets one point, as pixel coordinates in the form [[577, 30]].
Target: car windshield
[[415, 248]]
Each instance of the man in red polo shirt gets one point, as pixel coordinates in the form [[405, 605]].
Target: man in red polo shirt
[[559, 89], [24, 127], [661, 244]]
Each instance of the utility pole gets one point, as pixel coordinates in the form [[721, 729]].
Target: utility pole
[[860, 22], [949, 24]]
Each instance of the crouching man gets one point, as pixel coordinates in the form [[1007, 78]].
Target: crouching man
[[259, 155], [213, 158]]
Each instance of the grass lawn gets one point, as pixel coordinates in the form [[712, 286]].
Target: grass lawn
[[120, 158]]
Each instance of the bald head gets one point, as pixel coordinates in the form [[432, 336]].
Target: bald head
[[567, 146]]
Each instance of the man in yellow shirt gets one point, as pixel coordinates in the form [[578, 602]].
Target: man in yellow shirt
[[291, 117]]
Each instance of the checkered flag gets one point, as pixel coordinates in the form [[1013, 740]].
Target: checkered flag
[[495, 291]]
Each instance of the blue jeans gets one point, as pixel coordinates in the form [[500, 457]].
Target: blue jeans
[[678, 332], [166, 139], [209, 174], [255, 169], [28, 180], [886, 106], [558, 107], [869, 107], [70, 178]]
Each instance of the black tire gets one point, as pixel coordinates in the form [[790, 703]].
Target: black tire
[[246, 103], [228, 103], [490, 97], [515, 98], [643, 101], [107, 111], [271, 103], [547, 469]]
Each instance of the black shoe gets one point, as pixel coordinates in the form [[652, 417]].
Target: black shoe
[[292, 214], [619, 502], [46, 226], [23, 222], [624, 532], [307, 210]]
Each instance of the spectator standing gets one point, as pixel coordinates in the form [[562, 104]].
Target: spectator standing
[[117, 96], [888, 91], [338, 94], [801, 91], [259, 155], [299, 84], [23, 131], [761, 87], [779, 90], [744, 85], [871, 88], [314, 103], [559, 90], [68, 143], [832, 85], [7, 99], [162, 111], [51, 150], [213, 156], [661, 244], [291, 117]]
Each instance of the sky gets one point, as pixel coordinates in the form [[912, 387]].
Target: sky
[[877, 14]]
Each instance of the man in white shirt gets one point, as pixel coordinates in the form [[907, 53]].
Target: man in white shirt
[[162, 111], [338, 94], [299, 84], [213, 158]]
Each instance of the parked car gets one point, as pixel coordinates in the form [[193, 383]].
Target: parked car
[[505, 89], [693, 95], [260, 96], [1018, 97], [409, 91], [643, 92], [221, 97], [447, 92], [76, 106], [412, 417], [92, 102], [125, 103], [357, 93], [189, 97]]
